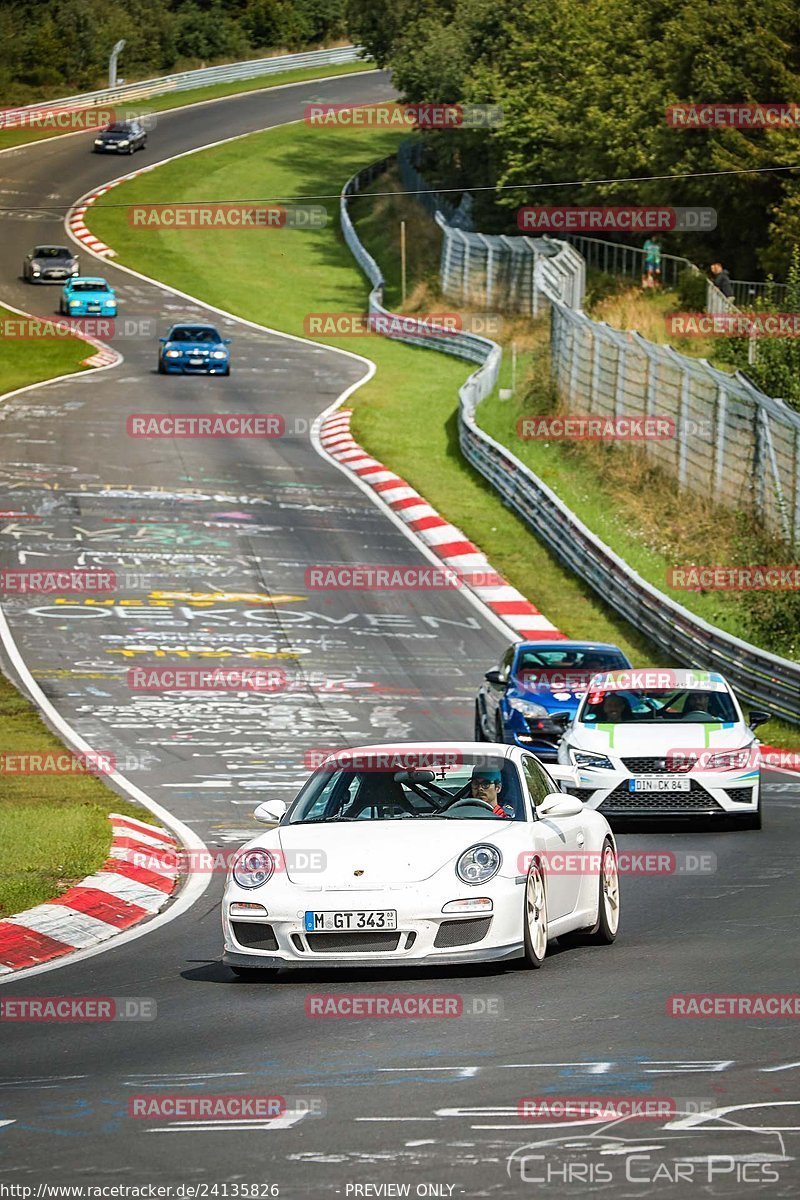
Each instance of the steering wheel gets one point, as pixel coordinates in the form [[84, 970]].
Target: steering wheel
[[467, 802], [698, 714]]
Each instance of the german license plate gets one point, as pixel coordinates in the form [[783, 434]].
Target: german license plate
[[195, 362], [659, 783], [362, 919]]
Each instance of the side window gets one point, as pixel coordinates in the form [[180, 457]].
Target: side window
[[506, 661], [538, 782]]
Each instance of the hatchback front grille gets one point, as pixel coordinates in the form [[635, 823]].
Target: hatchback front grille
[[696, 800], [675, 764], [740, 795]]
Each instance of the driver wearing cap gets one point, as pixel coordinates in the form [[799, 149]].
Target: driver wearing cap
[[485, 785]]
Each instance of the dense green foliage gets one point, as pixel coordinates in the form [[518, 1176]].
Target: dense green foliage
[[584, 87], [53, 47]]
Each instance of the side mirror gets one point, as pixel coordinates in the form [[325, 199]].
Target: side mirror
[[496, 678], [226, 341], [758, 717], [558, 804], [162, 339], [562, 775], [562, 718], [270, 811]]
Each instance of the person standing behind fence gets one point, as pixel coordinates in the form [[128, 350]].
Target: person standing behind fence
[[721, 280], [651, 276]]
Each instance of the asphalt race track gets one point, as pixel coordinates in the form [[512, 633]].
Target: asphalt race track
[[199, 532]]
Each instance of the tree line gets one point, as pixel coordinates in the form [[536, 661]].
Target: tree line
[[584, 86], [58, 47]]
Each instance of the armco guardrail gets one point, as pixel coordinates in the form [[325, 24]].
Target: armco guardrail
[[683, 636], [183, 81]]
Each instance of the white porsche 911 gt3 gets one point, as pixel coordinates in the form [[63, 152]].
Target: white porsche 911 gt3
[[421, 852]]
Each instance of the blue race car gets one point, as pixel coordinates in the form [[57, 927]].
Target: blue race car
[[85, 296], [194, 350], [530, 698]]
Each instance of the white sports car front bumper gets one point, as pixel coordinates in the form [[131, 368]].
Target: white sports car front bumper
[[277, 936]]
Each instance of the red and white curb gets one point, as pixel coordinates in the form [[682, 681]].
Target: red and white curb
[[119, 895], [77, 225], [444, 540]]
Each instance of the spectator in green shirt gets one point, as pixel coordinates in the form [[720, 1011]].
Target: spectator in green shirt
[[651, 276]]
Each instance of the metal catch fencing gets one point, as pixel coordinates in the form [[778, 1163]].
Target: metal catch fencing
[[732, 443], [679, 633], [183, 81]]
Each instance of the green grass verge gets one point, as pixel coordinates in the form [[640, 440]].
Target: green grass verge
[[215, 91], [32, 360], [406, 415], [54, 829]]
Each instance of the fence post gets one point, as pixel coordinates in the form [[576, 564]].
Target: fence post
[[719, 436], [619, 391]]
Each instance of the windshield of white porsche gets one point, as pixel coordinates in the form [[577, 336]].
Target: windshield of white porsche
[[662, 705], [472, 788]]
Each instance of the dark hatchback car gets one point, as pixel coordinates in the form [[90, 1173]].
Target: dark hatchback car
[[123, 137], [49, 264], [534, 692]]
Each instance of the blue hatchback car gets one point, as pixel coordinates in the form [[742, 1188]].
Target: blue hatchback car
[[88, 296], [194, 350], [534, 692]]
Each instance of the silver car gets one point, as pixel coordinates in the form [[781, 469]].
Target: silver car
[[49, 264]]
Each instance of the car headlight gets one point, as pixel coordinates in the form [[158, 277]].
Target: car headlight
[[527, 707], [732, 760], [253, 868], [172, 353], [585, 758], [479, 864], [74, 303], [124, 142], [219, 354], [98, 141], [110, 303]]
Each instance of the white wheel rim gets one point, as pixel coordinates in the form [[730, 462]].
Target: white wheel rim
[[536, 912], [609, 887]]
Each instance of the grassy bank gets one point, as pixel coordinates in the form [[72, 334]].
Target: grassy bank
[[54, 829], [32, 360]]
